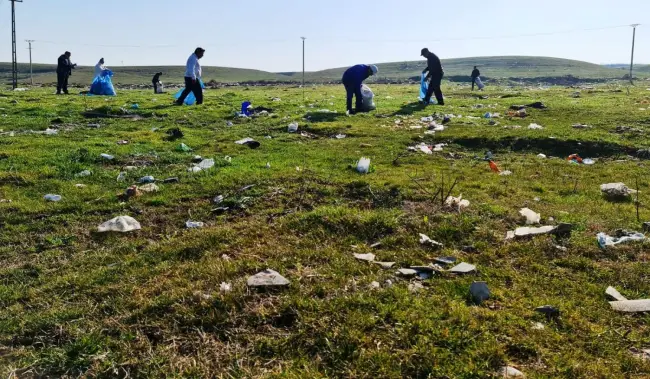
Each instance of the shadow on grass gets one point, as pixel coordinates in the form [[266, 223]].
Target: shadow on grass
[[323, 116], [410, 108]]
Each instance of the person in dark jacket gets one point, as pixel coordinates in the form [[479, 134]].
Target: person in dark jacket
[[353, 80], [63, 71], [475, 74], [434, 68], [155, 80]]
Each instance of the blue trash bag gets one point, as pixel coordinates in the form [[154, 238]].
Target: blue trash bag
[[244, 108], [190, 99], [424, 87], [103, 85]]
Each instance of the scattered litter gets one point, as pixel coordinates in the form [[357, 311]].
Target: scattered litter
[[535, 126], [510, 372], [132, 191], [622, 236], [363, 166], [426, 119], [425, 240], [146, 179], [542, 156], [225, 287], [293, 127], [406, 272], [135, 106], [479, 292], [80, 186], [51, 197], [374, 285], [493, 166], [423, 147], [505, 173], [340, 136], [537, 105], [445, 260], [171, 180], [174, 134], [120, 224], [248, 142], [581, 126], [218, 199], [50, 132], [268, 164], [549, 311], [194, 224], [123, 142], [267, 278], [129, 168], [643, 354], [84, 173], [385, 265], [616, 190], [203, 165], [457, 202], [531, 216], [588, 161], [529, 231], [631, 306], [575, 95], [149, 188], [184, 148], [365, 257], [107, 157], [463, 268], [614, 294]]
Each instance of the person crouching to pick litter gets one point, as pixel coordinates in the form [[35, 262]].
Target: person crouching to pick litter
[[353, 80], [156, 83], [434, 68], [193, 78]]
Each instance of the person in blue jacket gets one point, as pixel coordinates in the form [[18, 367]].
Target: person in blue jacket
[[353, 80]]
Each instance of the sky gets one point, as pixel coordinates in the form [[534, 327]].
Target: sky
[[265, 34]]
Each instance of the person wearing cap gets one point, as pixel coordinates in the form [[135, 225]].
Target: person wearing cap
[[353, 80], [434, 68], [193, 78]]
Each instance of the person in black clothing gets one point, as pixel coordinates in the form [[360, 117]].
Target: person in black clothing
[[155, 80], [63, 71], [434, 68], [475, 74]]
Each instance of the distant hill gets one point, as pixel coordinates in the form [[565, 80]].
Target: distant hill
[[508, 67]]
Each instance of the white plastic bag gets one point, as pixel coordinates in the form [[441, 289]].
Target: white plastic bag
[[479, 83], [363, 166], [159, 88], [368, 98]]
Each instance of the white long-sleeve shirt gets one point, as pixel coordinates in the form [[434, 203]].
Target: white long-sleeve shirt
[[193, 68], [99, 68]]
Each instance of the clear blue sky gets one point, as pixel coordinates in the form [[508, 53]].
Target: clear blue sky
[[265, 34]]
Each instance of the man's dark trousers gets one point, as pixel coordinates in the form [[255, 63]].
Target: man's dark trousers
[[62, 83], [434, 87], [353, 89], [192, 86]]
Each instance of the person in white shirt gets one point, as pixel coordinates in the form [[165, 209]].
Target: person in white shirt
[[99, 68], [193, 78]]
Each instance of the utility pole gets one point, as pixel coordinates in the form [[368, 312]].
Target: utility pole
[[14, 60], [632, 61], [31, 72], [303, 68]]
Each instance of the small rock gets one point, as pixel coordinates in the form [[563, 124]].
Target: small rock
[[463, 268], [616, 190], [510, 372], [365, 257], [415, 287], [538, 326], [267, 278]]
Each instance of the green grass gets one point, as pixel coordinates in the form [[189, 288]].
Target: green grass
[[147, 304], [507, 67]]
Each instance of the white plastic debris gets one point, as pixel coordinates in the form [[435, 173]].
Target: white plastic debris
[[225, 287], [616, 190], [120, 224], [121, 176], [267, 278], [293, 127], [363, 166], [149, 188], [535, 126], [425, 240], [84, 173], [365, 257], [426, 119], [505, 173], [108, 157], [79, 185], [510, 372], [439, 146], [243, 141], [530, 216], [146, 179], [52, 197], [50, 132], [542, 156], [605, 240], [423, 147], [457, 202], [194, 224], [203, 165], [340, 136]]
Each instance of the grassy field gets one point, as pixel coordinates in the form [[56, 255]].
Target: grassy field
[[75, 302], [513, 67]]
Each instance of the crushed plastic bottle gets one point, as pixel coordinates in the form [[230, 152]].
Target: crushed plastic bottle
[[146, 179], [52, 197], [293, 127], [363, 166], [108, 157], [194, 224]]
